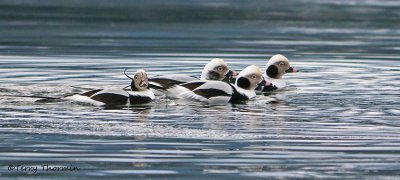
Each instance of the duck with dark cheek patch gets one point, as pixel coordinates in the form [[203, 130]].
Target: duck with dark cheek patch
[[139, 93], [275, 68], [220, 92], [216, 70]]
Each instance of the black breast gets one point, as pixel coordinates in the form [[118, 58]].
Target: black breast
[[238, 97], [139, 99], [269, 88], [263, 88]]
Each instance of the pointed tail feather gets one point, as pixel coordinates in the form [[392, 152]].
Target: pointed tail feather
[[38, 97]]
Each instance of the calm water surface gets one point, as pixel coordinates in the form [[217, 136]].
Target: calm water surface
[[338, 117]]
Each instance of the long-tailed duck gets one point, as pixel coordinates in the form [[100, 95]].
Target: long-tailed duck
[[216, 69], [139, 94], [275, 68], [217, 92]]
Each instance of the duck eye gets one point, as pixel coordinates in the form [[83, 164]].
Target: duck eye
[[254, 76]]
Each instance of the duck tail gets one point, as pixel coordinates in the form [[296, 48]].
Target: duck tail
[[38, 97]]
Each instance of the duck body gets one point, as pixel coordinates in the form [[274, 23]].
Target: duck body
[[101, 97], [139, 93], [216, 70], [213, 92], [220, 92]]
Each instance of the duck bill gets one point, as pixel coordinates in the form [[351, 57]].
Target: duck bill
[[143, 83], [231, 74], [292, 70], [264, 83]]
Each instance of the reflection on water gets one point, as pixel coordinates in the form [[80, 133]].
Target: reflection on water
[[338, 117]]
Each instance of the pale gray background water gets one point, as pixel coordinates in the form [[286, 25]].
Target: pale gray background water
[[338, 118]]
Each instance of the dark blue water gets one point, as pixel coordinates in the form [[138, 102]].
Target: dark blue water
[[338, 117]]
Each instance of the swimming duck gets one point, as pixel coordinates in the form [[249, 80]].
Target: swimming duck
[[139, 94], [277, 66], [217, 92], [216, 69]]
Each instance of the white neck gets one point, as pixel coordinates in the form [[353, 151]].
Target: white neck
[[146, 93], [204, 74], [279, 83], [248, 93]]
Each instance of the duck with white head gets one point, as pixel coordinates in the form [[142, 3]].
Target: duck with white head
[[277, 66], [215, 70], [220, 92], [139, 93]]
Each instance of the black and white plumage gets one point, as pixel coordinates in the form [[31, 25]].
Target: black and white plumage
[[166, 81], [220, 92], [139, 94], [216, 69], [277, 66]]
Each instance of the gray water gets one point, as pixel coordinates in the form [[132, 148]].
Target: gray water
[[338, 117]]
